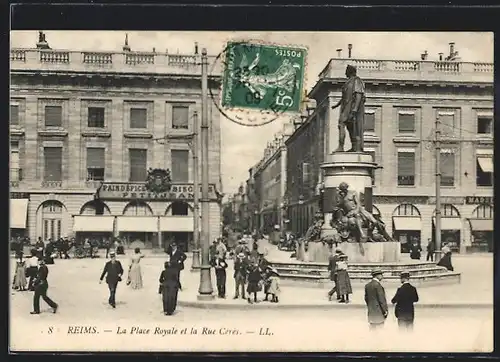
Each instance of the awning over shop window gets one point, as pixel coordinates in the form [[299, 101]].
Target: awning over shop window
[[18, 213], [95, 223], [486, 163], [177, 223], [481, 224], [407, 223], [137, 224], [449, 223]]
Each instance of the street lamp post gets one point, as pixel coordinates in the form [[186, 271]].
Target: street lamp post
[[196, 186], [205, 290]]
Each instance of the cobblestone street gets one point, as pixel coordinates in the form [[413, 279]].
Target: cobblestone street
[[83, 302]]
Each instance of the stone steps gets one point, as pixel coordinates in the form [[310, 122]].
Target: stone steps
[[359, 273]]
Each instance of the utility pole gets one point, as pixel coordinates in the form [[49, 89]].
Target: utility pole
[[205, 290], [437, 226], [196, 186]]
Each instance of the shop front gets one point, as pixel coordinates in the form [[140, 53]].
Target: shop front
[[138, 231], [481, 226], [93, 227], [179, 229], [451, 226], [407, 226]]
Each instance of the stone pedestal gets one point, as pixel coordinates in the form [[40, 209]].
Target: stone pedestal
[[318, 252], [387, 252]]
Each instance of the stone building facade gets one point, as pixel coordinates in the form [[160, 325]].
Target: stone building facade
[[404, 99], [83, 121]]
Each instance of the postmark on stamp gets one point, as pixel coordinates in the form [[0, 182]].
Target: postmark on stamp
[[266, 79]]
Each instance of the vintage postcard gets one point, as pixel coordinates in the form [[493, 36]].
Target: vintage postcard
[[251, 192]]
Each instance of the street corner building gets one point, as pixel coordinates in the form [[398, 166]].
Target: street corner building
[[403, 100], [87, 128]]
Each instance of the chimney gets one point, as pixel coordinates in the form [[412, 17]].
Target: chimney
[[154, 50], [42, 42], [339, 53], [349, 47], [424, 55], [196, 47], [452, 50], [440, 56]]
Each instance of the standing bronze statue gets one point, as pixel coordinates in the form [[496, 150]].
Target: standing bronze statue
[[352, 111]]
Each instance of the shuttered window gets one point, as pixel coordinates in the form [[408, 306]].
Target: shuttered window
[[406, 121], [95, 164], [180, 116], [14, 114], [96, 117], [447, 121], [369, 121], [53, 163], [15, 171], [180, 165], [53, 116], [406, 168], [138, 165], [447, 161], [138, 118]]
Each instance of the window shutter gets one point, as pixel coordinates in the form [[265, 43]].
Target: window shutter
[[406, 122], [95, 158], [14, 114], [53, 116], [180, 117], [138, 165], [406, 168], [53, 163], [447, 121], [96, 117], [180, 165], [447, 164], [138, 118]]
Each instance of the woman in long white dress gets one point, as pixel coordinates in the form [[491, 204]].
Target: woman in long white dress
[[134, 272]]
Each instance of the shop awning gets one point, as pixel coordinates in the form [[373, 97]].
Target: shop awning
[[407, 223], [177, 223], [481, 224], [95, 223], [449, 223], [486, 163], [18, 213], [137, 224]]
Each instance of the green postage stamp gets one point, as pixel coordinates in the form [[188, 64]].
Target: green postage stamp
[[266, 78]]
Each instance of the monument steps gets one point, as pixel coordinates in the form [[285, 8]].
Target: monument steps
[[317, 274]]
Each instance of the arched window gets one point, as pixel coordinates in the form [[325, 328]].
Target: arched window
[[179, 208], [137, 208], [95, 207], [406, 210], [52, 212], [483, 212], [448, 210]]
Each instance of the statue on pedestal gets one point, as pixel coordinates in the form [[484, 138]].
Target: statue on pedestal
[[352, 111], [350, 219]]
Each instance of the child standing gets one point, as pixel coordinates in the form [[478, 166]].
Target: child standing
[[254, 282], [274, 285], [344, 287]]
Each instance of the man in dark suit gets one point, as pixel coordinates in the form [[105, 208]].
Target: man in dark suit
[[405, 296], [375, 301], [169, 286], [177, 258], [113, 271], [240, 274], [41, 286], [332, 267]]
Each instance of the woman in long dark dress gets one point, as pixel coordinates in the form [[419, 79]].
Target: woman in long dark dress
[[169, 284], [446, 259]]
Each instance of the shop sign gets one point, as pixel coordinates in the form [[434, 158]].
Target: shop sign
[[475, 200], [447, 200], [19, 195], [400, 200], [131, 191]]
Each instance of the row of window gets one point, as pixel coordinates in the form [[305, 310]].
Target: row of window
[[97, 116], [406, 122], [96, 164]]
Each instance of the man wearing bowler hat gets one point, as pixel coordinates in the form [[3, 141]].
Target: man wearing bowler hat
[[375, 301], [113, 272], [405, 296]]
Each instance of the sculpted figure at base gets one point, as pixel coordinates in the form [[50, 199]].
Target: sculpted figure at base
[[352, 111], [350, 218]]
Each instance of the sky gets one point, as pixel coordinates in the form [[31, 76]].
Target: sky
[[248, 143]]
